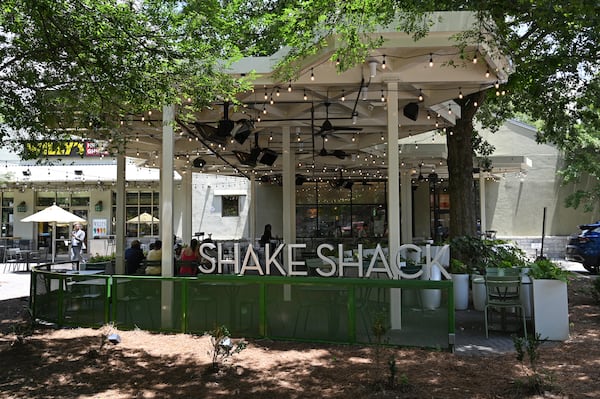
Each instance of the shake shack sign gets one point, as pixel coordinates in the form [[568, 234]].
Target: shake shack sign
[[250, 260]]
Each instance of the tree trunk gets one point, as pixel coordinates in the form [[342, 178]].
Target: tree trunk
[[460, 170]]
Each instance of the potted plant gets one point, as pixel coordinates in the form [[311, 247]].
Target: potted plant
[[550, 300], [101, 262], [460, 281]]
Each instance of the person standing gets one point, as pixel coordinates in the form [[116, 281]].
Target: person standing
[[266, 237], [77, 241]]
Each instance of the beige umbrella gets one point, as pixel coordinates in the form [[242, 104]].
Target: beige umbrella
[[144, 217], [54, 214]]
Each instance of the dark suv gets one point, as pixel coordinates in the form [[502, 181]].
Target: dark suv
[[585, 247]]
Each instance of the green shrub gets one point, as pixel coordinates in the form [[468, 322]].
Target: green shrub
[[546, 269]]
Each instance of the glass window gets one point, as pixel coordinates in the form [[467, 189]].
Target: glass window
[[80, 201], [145, 198], [7, 199], [230, 205], [45, 199], [62, 200], [132, 198]]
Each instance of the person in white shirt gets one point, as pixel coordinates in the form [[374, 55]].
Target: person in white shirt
[[77, 239]]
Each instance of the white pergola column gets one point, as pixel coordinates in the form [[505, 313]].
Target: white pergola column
[[186, 209], [393, 199], [406, 203], [166, 215], [166, 190], [289, 189], [121, 237]]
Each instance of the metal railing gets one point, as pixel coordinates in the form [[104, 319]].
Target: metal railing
[[341, 310]]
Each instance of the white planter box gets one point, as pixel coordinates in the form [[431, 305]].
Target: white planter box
[[461, 291], [551, 309]]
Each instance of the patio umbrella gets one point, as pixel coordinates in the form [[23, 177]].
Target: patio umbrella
[[54, 214], [144, 217]]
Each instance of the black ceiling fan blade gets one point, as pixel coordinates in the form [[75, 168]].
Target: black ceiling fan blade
[[341, 154], [350, 128]]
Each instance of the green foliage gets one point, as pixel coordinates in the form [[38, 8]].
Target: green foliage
[[458, 267], [480, 254], [546, 269], [101, 258], [222, 346], [536, 382], [87, 64]]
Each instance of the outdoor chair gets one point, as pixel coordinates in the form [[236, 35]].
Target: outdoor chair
[[503, 292], [14, 259]]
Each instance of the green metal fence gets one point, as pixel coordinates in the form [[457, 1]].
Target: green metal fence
[[342, 310]]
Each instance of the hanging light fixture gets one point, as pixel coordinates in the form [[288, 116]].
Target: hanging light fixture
[[373, 68]]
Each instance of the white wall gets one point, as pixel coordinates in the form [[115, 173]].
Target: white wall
[[206, 206], [515, 205]]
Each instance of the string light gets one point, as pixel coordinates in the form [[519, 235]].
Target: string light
[[305, 96], [497, 84], [290, 87], [383, 63], [487, 73], [475, 58], [430, 60], [312, 74], [277, 92], [266, 95], [420, 95], [460, 93], [343, 95], [271, 101], [449, 109], [382, 97]]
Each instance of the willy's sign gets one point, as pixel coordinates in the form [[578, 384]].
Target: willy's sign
[[271, 262]]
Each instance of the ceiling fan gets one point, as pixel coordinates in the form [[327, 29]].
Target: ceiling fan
[[327, 127], [340, 154]]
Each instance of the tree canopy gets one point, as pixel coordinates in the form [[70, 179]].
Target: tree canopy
[[89, 63], [78, 63]]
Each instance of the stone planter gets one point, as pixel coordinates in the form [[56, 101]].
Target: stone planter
[[105, 266], [551, 309], [460, 283], [479, 294], [432, 298]]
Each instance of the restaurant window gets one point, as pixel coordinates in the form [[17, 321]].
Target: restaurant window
[[328, 210], [141, 213], [230, 205], [7, 214], [75, 202]]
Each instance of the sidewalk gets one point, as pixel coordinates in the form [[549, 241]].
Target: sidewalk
[[14, 284]]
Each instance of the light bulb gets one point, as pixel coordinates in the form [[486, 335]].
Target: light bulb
[[312, 74], [383, 63], [430, 60], [420, 95], [343, 95], [460, 94]]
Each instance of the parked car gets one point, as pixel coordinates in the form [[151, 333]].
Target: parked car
[[585, 247]]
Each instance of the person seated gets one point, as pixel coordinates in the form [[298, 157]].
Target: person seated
[[190, 255], [154, 254], [134, 257]]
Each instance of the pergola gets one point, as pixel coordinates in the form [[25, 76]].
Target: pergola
[[326, 124]]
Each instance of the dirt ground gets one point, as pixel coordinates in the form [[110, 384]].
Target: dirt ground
[[80, 363]]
